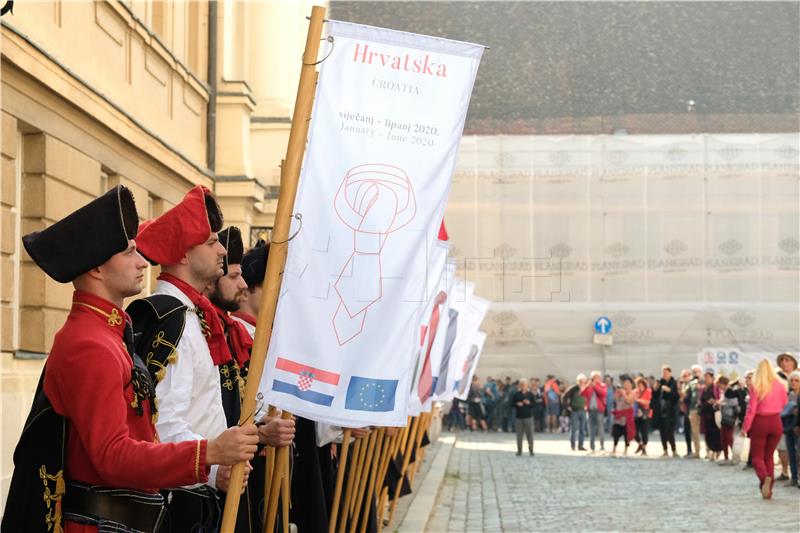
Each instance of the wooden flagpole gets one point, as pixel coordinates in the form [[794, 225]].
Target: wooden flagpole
[[351, 476], [269, 468], [376, 436], [286, 499], [281, 469], [419, 451], [381, 444], [384, 491], [277, 258], [406, 458], [359, 468], [337, 491]]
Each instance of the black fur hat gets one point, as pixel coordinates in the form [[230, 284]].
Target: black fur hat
[[86, 238], [254, 264], [231, 239]]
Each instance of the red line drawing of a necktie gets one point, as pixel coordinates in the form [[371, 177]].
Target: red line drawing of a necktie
[[373, 200]]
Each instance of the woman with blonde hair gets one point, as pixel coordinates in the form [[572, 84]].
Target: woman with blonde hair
[[763, 423]]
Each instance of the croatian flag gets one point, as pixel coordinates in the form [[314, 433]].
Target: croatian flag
[[305, 382]]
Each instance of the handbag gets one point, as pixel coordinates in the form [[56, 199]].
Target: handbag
[[741, 448]]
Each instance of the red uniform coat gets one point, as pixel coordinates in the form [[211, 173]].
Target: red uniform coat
[[87, 379]]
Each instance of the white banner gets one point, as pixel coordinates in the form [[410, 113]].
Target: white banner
[[726, 360], [469, 321], [470, 364], [432, 319], [388, 116], [462, 293]]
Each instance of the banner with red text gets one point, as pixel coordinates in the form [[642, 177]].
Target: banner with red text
[[383, 140]]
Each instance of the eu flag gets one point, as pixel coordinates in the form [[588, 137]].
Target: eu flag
[[368, 394]]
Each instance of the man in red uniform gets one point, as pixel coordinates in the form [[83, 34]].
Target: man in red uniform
[[187, 363], [95, 402]]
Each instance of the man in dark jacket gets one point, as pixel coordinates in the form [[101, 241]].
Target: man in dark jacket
[[665, 400]]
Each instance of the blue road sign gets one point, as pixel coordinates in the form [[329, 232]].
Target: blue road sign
[[602, 325]]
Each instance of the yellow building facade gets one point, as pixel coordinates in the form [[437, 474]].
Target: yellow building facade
[[111, 91]]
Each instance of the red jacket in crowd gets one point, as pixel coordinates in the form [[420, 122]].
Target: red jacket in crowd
[[600, 390]]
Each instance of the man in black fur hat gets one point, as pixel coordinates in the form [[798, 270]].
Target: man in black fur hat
[[225, 294]]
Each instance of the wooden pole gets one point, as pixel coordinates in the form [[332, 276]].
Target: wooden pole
[[381, 443], [337, 491], [281, 461], [359, 468], [420, 452], [381, 474], [280, 238], [369, 460], [269, 468], [384, 460], [286, 499], [351, 475], [384, 492], [406, 458]]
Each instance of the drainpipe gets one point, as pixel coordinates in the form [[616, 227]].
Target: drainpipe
[[211, 112]]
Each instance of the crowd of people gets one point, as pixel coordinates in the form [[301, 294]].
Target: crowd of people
[[715, 412]]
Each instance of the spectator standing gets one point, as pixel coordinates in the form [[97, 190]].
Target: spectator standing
[[789, 422], [683, 404], [624, 425], [665, 396], [609, 402], [797, 432], [708, 406], [563, 420], [641, 415], [729, 410], [575, 405], [552, 399], [490, 402], [595, 396], [538, 406], [475, 405], [523, 406], [694, 389], [503, 408], [512, 388], [786, 365], [763, 424], [744, 401], [456, 416]]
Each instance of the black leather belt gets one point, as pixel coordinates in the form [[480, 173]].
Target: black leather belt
[[139, 511]]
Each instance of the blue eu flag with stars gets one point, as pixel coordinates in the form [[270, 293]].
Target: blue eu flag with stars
[[368, 394]]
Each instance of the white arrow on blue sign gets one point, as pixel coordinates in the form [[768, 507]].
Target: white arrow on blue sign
[[602, 325]]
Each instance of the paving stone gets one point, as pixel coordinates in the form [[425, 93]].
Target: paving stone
[[488, 488]]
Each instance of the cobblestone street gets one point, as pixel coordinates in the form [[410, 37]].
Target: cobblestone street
[[488, 488]]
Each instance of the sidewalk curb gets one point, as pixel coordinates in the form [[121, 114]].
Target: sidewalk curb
[[424, 501]]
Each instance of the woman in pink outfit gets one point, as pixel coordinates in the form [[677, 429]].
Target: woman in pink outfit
[[763, 423]]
